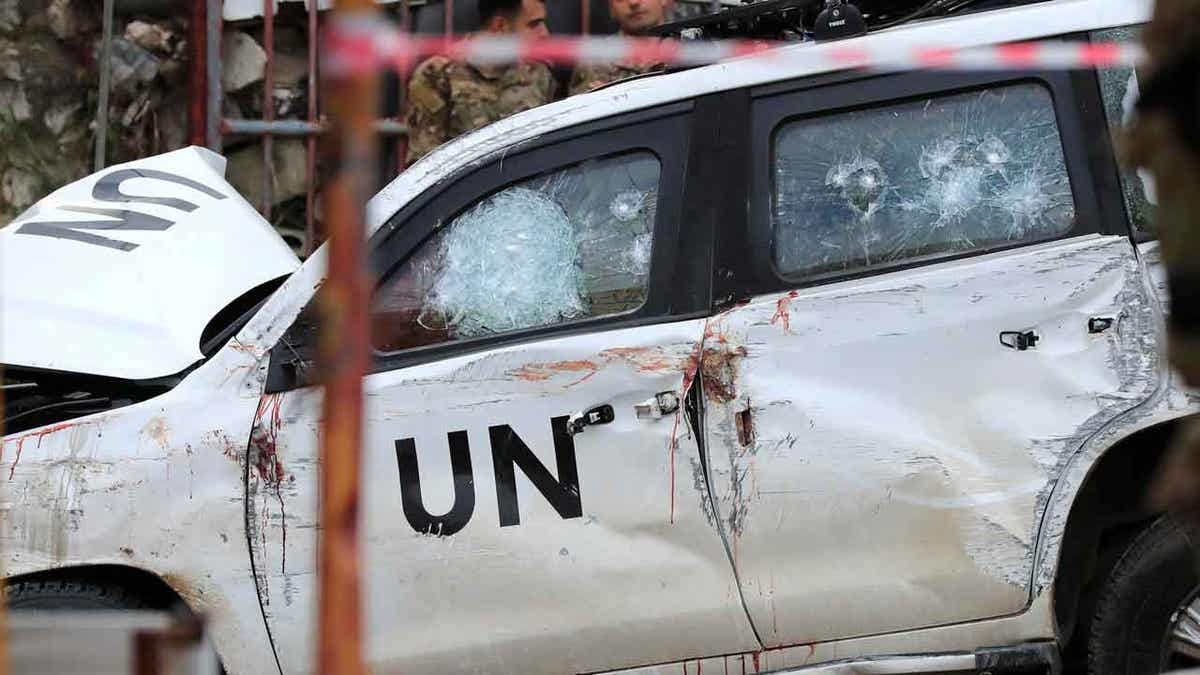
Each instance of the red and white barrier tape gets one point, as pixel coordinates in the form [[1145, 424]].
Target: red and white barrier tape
[[353, 47]]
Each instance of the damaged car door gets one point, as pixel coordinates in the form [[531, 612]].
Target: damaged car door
[[942, 309], [530, 503]]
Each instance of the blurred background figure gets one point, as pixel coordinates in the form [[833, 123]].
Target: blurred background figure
[[448, 98], [1165, 139], [634, 17]]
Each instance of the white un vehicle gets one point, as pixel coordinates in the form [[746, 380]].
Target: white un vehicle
[[872, 361]]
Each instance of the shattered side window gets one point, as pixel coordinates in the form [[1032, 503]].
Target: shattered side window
[[563, 246], [931, 176], [1119, 89]]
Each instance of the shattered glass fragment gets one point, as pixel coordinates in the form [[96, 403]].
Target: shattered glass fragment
[[993, 153], [1026, 197], [638, 255], [953, 195], [508, 263], [940, 175], [1119, 89], [626, 206], [861, 182], [940, 156], [558, 247]]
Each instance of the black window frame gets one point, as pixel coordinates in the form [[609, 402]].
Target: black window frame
[[664, 132], [1111, 165], [774, 105]]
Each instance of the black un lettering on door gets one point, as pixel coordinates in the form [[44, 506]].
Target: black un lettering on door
[[508, 453], [108, 189]]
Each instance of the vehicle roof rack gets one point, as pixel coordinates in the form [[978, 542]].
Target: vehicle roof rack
[[796, 19]]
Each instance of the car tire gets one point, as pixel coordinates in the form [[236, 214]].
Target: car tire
[[74, 594], [1138, 603]]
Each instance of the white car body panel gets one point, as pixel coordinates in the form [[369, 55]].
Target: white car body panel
[[1033, 624], [640, 560], [158, 484], [927, 478], [131, 303]]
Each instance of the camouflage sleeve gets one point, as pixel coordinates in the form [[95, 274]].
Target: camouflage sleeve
[[427, 108], [579, 81], [548, 85], [583, 80]]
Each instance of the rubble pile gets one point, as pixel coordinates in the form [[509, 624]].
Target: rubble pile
[[243, 76], [49, 84], [50, 53]]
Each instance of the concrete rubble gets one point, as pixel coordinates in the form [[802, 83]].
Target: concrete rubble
[[245, 171], [243, 61], [49, 82], [243, 77]]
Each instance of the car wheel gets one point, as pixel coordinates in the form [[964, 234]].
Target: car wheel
[[1147, 618], [74, 594]]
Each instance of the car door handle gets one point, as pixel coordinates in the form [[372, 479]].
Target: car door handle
[[601, 414], [1019, 340], [664, 403]]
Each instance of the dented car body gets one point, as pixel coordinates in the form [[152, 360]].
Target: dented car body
[[829, 403]]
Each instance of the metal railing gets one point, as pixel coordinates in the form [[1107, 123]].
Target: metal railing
[[215, 129]]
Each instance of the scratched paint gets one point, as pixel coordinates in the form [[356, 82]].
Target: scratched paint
[[876, 654], [640, 514], [1139, 362], [148, 486], [940, 488], [783, 311], [270, 479]]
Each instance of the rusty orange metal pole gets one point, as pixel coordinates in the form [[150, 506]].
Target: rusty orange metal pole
[[351, 98], [197, 73]]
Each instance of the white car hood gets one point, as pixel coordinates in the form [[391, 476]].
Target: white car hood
[[118, 274]]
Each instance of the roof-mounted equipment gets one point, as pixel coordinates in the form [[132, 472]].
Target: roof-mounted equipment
[[794, 20], [838, 20]]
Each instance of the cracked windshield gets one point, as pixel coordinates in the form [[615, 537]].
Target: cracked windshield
[[923, 177]]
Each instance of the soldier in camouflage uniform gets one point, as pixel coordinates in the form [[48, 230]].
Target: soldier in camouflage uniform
[[448, 98], [634, 17]]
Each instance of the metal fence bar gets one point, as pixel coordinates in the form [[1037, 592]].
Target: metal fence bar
[[385, 127], [268, 108], [345, 354], [310, 145], [217, 127], [213, 21], [198, 73], [105, 80]]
